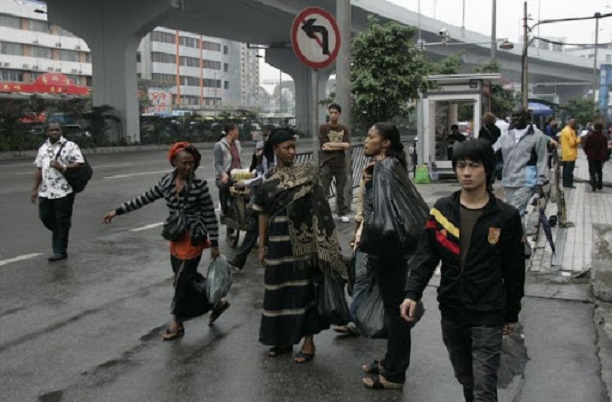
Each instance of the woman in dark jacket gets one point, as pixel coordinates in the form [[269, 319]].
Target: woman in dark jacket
[[181, 189], [489, 131], [596, 148]]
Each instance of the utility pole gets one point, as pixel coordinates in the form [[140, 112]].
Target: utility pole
[[493, 30], [343, 83], [597, 17], [524, 80], [462, 19]]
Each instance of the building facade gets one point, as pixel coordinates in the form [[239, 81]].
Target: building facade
[[199, 72]]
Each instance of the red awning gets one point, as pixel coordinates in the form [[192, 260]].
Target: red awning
[[48, 83]]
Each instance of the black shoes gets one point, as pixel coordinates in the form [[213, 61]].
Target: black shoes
[[237, 262], [58, 257]]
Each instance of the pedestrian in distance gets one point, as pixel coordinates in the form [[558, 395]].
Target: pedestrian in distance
[[569, 152], [52, 191], [455, 137], [226, 156], [478, 239], [298, 246], [334, 139], [185, 192], [525, 170], [386, 202], [596, 148], [489, 131]]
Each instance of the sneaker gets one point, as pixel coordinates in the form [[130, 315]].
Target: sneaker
[[344, 219]]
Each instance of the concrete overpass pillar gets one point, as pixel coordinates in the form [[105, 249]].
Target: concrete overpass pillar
[[285, 60], [113, 29]]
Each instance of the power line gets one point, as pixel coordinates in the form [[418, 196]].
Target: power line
[[554, 42]]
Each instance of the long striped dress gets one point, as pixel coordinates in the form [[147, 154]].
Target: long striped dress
[[289, 307]]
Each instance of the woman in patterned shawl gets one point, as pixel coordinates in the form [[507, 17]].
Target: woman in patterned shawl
[[298, 244]]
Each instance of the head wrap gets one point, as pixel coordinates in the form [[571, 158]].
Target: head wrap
[[277, 136], [187, 147]]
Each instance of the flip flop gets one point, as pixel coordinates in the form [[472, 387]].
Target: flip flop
[[373, 368], [170, 335], [217, 311], [377, 384], [280, 350], [302, 357]]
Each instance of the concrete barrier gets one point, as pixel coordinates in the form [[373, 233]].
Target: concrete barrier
[[601, 271]]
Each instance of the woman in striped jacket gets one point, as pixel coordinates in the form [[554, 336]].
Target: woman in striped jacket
[[182, 190]]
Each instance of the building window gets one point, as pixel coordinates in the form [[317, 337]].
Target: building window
[[39, 26], [41, 52], [189, 61], [225, 67], [160, 57], [226, 84], [138, 57], [163, 77], [9, 21], [608, 58], [216, 47], [165, 37], [11, 75], [190, 81], [14, 49], [225, 50], [69, 55], [189, 42], [213, 65], [208, 83]]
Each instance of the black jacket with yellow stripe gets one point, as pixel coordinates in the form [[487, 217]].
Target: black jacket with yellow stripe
[[489, 289]]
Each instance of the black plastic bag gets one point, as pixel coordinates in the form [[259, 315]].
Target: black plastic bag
[[370, 317], [395, 212], [331, 303], [190, 299]]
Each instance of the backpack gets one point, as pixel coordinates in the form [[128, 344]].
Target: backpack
[[77, 178]]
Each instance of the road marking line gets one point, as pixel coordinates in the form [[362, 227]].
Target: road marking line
[[96, 167], [19, 258], [151, 226], [121, 176], [18, 165]]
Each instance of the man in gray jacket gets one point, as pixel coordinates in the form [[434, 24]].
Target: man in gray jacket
[[226, 157], [525, 170]]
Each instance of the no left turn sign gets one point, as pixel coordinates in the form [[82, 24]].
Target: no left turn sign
[[315, 37]]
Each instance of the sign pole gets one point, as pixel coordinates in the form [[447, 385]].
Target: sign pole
[[314, 115]]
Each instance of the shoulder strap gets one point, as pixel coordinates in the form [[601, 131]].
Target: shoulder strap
[[60, 150]]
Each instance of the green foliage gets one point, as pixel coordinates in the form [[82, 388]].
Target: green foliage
[[388, 71], [448, 65], [583, 110]]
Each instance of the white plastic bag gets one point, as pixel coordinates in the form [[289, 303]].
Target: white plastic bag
[[219, 279]]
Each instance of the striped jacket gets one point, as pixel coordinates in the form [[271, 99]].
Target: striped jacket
[[199, 208]]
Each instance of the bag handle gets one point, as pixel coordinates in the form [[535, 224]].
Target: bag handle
[[60, 150]]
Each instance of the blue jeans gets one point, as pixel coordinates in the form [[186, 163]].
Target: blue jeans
[[519, 197], [475, 353]]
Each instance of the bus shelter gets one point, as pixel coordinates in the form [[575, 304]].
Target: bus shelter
[[439, 109]]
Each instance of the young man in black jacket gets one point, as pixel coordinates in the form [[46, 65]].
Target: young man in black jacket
[[479, 240]]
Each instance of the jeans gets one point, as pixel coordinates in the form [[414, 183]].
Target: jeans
[[390, 274], [339, 173], [519, 197], [250, 238], [568, 173], [56, 215], [475, 353], [595, 171], [224, 195]]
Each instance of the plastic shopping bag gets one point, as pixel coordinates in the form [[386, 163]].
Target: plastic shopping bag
[[219, 279], [370, 317], [331, 303], [422, 175]]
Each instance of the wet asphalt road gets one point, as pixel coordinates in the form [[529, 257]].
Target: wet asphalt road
[[88, 329]]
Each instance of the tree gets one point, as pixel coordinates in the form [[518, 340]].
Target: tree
[[502, 100], [448, 65], [583, 110], [388, 72]]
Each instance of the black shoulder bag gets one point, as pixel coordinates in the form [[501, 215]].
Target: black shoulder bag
[[77, 178], [176, 225]]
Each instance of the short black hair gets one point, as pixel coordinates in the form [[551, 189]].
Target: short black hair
[[455, 127], [476, 150], [335, 106]]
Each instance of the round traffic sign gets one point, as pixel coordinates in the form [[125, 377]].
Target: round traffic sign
[[315, 37]]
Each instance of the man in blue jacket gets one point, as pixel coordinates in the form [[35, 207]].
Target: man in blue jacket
[[478, 239]]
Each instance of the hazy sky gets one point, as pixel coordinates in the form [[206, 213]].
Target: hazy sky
[[509, 19]]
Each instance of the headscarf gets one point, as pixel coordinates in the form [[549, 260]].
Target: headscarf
[[277, 136], [187, 147]]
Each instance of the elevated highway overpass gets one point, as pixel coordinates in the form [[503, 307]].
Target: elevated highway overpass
[[113, 29]]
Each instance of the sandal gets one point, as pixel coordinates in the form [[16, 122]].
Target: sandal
[[378, 384], [373, 368], [346, 330], [170, 335], [280, 350], [303, 357], [217, 311]]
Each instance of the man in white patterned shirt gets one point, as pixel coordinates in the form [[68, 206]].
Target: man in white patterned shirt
[[54, 195]]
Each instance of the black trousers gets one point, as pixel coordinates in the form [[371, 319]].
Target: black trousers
[[568, 173], [224, 194], [475, 353], [250, 238], [56, 215], [595, 171], [390, 274]]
